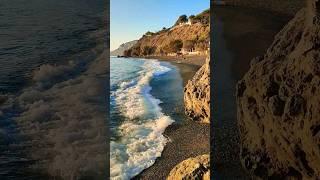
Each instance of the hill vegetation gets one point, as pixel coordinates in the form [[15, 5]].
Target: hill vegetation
[[189, 33]]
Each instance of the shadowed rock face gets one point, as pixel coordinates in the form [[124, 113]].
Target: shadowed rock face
[[288, 7], [192, 168], [278, 103], [197, 95]]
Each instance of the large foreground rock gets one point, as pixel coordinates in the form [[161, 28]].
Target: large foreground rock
[[197, 95], [278, 104], [192, 168]]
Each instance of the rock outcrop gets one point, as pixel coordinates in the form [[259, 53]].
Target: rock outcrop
[[192, 168], [278, 104], [197, 95]]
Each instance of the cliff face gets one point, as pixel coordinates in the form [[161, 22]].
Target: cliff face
[[192, 168], [289, 7], [197, 95], [278, 104], [183, 32], [191, 33], [122, 48]]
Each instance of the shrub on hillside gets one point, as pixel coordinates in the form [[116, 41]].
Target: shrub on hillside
[[127, 52], [201, 45], [203, 17], [148, 50], [149, 33], [136, 50], [188, 44], [173, 47]]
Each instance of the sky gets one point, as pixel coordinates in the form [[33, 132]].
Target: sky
[[130, 19]]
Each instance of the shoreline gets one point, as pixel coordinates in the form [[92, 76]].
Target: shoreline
[[186, 139], [197, 60]]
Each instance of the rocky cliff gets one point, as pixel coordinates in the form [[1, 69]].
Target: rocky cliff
[[197, 31], [123, 47], [197, 95], [186, 32], [192, 168], [278, 104]]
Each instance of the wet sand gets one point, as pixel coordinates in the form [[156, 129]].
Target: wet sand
[[187, 138], [240, 34]]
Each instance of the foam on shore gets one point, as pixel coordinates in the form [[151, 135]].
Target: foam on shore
[[142, 139]]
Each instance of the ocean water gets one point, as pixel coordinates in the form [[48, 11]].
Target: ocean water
[[36, 32], [146, 97], [48, 51]]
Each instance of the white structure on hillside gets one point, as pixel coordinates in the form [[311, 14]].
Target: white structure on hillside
[[186, 23]]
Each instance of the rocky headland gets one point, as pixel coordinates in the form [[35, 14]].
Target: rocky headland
[[278, 103], [123, 47]]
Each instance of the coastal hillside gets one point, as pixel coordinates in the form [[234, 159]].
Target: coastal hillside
[[278, 103], [123, 47], [189, 33]]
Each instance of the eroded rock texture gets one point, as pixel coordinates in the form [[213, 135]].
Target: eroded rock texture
[[197, 95], [192, 168], [278, 104]]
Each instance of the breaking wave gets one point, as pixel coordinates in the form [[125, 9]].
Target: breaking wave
[[62, 116], [141, 138]]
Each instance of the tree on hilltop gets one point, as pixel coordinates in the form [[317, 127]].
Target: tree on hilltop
[[181, 19]]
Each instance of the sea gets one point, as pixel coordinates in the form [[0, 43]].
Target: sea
[[48, 51], [146, 96]]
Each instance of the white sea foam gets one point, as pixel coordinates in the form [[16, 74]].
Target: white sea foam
[[65, 127], [142, 139]]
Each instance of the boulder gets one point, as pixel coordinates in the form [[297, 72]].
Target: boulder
[[278, 104], [197, 95], [192, 168]]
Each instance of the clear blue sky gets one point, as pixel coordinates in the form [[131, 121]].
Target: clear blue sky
[[130, 19]]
